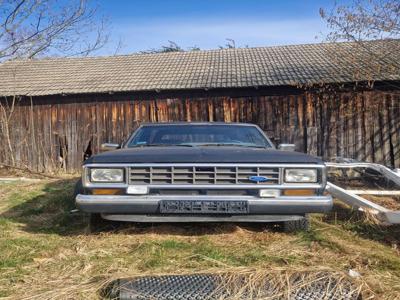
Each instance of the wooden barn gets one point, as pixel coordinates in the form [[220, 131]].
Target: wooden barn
[[331, 100]]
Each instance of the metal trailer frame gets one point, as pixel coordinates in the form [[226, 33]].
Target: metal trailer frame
[[385, 171], [352, 198]]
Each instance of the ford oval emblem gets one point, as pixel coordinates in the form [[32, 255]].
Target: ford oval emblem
[[258, 178]]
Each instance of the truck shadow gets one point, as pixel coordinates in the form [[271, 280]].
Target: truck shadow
[[49, 211], [192, 229], [46, 210]]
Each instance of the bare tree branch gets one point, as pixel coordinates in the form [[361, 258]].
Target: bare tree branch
[[365, 20], [31, 28]]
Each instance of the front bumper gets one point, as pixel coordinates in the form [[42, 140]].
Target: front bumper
[[150, 205]]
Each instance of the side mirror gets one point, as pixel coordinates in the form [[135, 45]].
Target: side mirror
[[287, 147], [109, 146]]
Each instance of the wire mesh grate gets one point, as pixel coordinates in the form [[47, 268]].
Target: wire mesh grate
[[213, 287]]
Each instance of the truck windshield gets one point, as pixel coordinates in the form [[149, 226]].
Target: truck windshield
[[199, 135]]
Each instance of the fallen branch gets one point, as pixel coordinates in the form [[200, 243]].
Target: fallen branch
[[12, 179], [29, 171]]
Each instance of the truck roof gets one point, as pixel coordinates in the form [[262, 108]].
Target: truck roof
[[197, 123]]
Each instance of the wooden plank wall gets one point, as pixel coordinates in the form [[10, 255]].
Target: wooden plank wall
[[53, 136]]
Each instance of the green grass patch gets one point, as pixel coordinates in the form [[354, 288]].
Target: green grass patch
[[16, 252], [46, 208], [313, 236], [5, 224], [174, 245]]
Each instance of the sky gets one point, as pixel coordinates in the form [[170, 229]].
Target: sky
[[146, 24]]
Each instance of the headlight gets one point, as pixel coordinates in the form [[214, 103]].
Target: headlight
[[300, 175], [106, 175]]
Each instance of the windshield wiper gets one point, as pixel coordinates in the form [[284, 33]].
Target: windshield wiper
[[162, 145], [199, 145], [231, 144]]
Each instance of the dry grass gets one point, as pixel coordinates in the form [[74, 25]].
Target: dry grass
[[45, 253], [389, 202], [282, 284]]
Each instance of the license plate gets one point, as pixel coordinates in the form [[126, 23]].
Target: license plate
[[203, 207]]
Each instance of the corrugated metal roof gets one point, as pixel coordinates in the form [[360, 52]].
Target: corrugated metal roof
[[226, 68]]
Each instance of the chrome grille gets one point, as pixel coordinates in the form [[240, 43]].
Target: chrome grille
[[200, 175]]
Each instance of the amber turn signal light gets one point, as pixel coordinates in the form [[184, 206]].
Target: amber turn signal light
[[298, 192], [107, 192]]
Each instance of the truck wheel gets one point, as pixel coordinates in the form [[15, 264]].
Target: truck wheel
[[97, 223], [78, 188], [297, 225]]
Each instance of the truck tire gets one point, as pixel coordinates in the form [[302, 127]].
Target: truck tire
[[97, 223], [297, 225], [78, 189]]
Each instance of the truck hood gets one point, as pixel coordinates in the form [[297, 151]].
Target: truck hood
[[209, 154]]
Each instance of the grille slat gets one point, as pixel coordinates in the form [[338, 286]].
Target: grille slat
[[201, 175]]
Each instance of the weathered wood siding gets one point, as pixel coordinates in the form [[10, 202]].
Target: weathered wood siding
[[54, 134]]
